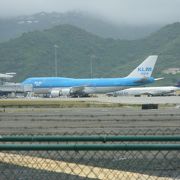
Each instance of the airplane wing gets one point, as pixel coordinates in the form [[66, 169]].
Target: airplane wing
[[69, 91], [157, 79], [77, 90], [144, 79]]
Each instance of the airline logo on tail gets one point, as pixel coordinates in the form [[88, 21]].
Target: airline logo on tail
[[141, 69], [178, 84], [145, 69]]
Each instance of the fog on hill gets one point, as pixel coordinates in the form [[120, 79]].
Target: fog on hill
[[14, 27], [112, 36]]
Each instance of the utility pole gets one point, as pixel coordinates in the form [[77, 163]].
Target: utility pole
[[91, 68], [55, 60], [91, 64]]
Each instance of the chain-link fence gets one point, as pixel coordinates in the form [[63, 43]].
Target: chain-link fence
[[119, 157], [90, 165], [124, 131]]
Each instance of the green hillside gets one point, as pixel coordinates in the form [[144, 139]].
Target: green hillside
[[32, 54]]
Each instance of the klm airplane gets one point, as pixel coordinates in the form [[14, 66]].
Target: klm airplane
[[61, 86]]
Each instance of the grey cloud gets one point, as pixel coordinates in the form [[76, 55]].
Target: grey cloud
[[119, 11]]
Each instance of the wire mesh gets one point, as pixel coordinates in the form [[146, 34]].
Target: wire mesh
[[154, 165]]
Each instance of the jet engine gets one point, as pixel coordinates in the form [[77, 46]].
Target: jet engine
[[60, 92]]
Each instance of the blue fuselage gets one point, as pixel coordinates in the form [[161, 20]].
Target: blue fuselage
[[96, 85]]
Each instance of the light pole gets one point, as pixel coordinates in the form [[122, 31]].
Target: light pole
[[91, 64], [91, 69], [55, 60]]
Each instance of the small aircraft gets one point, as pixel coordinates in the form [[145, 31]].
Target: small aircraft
[[62, 86], [5, 77], [150, 91]]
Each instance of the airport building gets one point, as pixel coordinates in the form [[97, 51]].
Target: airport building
[[13, 89]]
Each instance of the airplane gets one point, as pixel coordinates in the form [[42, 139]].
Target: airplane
[[62, 86], [5, 77], [150, 91]]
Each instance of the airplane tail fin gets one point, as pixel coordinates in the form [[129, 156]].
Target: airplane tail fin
[[178, 84], [145, 69]]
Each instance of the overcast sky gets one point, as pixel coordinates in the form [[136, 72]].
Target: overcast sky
[[121, 11]]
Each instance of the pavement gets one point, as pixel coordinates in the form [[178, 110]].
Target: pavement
[[120, 99]]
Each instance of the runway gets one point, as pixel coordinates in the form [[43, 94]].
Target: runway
[[126, 120], [88, 120], [129, 99], [122, 115], [142, 100]]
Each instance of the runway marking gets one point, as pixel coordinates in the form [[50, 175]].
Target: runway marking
[[73, 168]]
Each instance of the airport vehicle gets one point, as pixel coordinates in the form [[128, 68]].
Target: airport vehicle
[[62, 86], [150, 91]]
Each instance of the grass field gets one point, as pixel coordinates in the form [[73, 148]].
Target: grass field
[[57, 103]]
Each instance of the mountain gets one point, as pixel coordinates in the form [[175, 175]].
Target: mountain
[[33, 54], [14, 27]]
